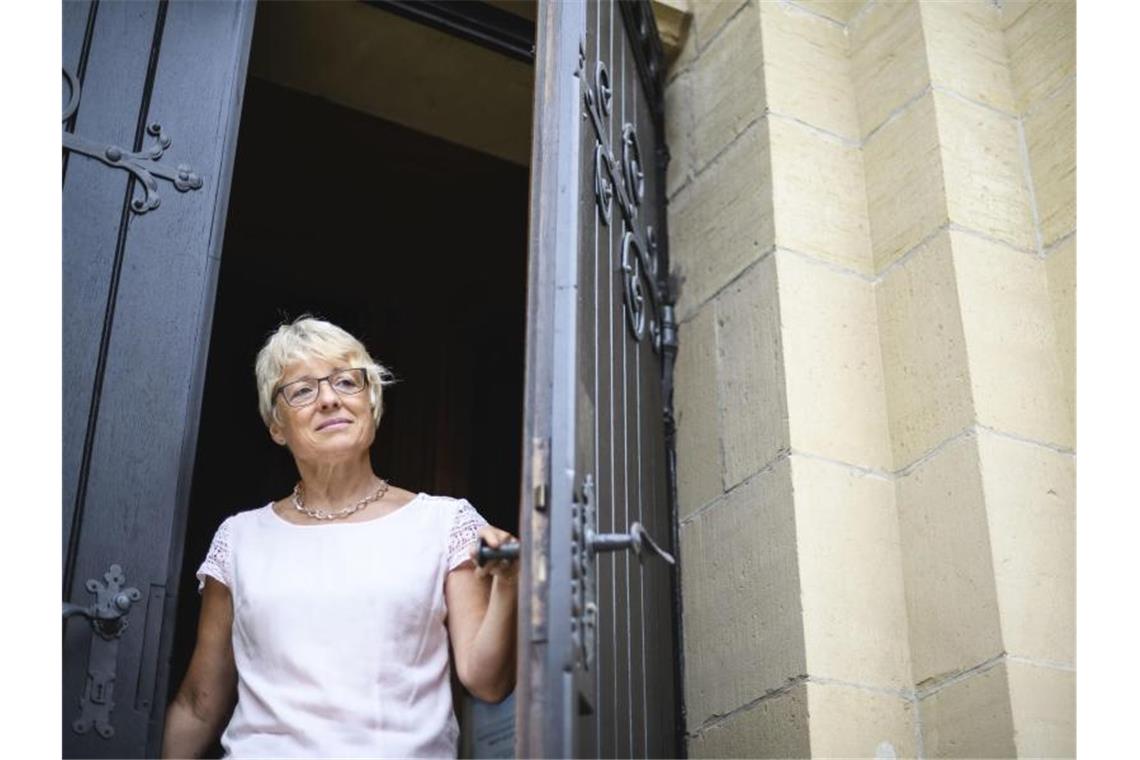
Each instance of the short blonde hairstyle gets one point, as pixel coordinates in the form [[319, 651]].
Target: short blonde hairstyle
[[307, 338]]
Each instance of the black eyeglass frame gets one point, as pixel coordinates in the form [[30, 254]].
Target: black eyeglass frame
[[318, 380]]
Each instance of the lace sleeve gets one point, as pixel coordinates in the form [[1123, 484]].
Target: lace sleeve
[[464, 532], [217, 563]]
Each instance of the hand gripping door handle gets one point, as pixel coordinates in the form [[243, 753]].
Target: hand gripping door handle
[[108, 617], [637, 539]]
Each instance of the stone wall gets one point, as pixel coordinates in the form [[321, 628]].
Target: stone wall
[[872, 222]]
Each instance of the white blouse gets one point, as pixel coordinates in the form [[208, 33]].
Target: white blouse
[[339, 635]]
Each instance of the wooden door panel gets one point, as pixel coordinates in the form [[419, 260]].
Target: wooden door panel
[[138, 299]]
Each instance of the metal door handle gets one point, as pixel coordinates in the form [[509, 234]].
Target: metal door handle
[[637, 539], [108, 617], [508, 550]]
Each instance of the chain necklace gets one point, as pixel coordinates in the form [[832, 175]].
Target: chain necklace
[[320, 514]]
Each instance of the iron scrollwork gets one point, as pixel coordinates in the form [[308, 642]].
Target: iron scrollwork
[[143, 164], [626, 185]]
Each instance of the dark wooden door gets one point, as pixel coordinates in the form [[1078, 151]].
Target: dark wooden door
[[598, 667], [152, 96]]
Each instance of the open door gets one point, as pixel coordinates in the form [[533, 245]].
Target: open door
[[152, 96], [598, 661]]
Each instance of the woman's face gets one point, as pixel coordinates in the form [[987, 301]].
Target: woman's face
[[332, 425]]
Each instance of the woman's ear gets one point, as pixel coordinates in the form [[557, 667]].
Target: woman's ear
[[276, 433]]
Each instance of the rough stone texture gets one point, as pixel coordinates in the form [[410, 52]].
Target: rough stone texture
[[948, 564], [888, 60], [1051, 139], [743, 619], [906, 197], [970, 718], [728, 87], [1042, 45], [854, 609], [1044, 710], [819, 196], [832, 364], [1007, 317], [836, 10], [846, 722], [966, 50], [710, 15], [924, 352], [1030, 503], [752, 389], [796, 42], [698, 414], [983, 171], [1061, 270], [678, 131], [776, 727], [722, 221]]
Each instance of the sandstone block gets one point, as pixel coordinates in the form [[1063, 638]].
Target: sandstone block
[[970, 718], [845, 722], [888, 60], [966, 50], [1051, 139], [1044, 706], [1061, 270], [697, 412], [743, 625], [754, 426], [951, 596], [775, 728], [837, 404], [1042, 45]]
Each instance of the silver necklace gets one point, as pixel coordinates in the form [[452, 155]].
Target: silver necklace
[[320, 514]]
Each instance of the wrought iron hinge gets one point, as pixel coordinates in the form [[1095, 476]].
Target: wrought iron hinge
[[143, 165]]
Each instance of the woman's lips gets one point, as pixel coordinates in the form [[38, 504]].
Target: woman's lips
[[338, 422]]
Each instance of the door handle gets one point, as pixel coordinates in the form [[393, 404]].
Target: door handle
[[108, 618], [637, 539]]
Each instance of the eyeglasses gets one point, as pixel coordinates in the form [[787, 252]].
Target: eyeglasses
[[346, 382]]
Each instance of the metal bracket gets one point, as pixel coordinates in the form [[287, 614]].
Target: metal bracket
[[108, 617], [142, 164]]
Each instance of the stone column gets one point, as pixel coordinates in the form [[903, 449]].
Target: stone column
[[871, 212]]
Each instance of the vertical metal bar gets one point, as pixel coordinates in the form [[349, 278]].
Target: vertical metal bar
[[598, 680], [609, 57], [625, 337]]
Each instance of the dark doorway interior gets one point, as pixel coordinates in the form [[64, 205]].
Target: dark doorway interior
[[415, 245]]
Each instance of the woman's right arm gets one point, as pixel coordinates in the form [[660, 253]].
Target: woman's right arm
[[195, 718]]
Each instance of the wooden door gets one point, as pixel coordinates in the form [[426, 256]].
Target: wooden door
[[598, 663], [152, 97]]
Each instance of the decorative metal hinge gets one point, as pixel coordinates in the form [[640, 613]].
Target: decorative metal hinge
[[142, 164]]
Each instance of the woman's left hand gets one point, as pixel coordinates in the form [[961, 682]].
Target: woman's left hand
[[502, 570]]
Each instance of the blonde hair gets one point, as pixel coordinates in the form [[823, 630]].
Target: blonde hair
[[308, 338]]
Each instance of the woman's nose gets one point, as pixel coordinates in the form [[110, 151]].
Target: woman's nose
[[326, 396]]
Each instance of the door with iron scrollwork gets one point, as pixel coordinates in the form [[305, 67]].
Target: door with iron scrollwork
[[598, 662], [152, 96]]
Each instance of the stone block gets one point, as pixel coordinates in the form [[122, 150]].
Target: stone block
[[819, 196], [846, 722], [697, 412], [754, 421], [837, 404], [721, 222], [743, 623], [1061, 270], [776, 727], [951, 596], [983, 171], [1044, 705], [839, 11], [806, 71], [728, 87], [1042, 45], [1007, 318], [678, 132], [888, 60], [924, 352], [710, 15], [966, 50], [851, 582], [906, 199], [971, 717], [1051, 139], [1031, 506]]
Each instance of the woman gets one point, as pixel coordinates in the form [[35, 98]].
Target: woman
[[328, 613]]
